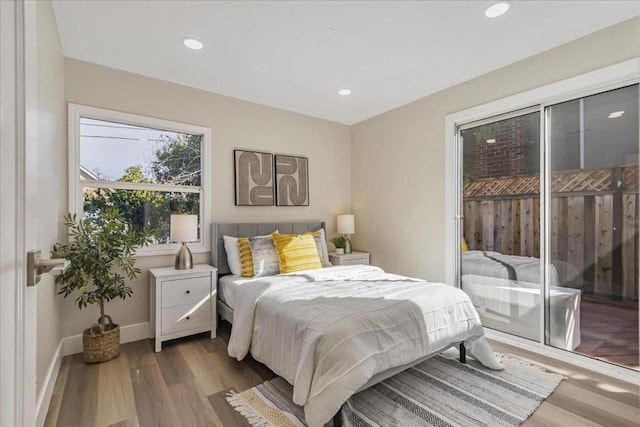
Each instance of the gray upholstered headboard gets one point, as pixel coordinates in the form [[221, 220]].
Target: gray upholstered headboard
[[250, 229]]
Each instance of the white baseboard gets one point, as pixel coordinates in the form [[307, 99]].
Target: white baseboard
[[48, 384], [128, 333]]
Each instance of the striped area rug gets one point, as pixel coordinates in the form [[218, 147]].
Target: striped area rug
[[438, 392]]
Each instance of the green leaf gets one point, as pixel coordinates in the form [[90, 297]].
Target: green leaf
[[100, 245]]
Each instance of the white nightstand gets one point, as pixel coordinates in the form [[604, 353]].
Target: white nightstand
[[182, 302], [353, 258]]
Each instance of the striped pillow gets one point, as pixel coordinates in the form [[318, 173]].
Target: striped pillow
[[232, 248], [297, 252], [246, 259]]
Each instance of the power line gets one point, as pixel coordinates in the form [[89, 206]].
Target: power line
[[132, 127], [122, 137]]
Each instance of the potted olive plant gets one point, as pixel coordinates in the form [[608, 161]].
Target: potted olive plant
[[101, 251], [340, 242]]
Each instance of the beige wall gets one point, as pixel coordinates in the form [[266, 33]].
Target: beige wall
[[398, 158], [234, 124], [52, 178]]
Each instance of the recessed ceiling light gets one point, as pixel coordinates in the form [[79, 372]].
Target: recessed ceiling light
[[616, 114], [192, 43], [344, 92], [491, 141], [497, 9]]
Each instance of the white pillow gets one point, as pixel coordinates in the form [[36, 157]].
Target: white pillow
[[321, 245], [233, 253]]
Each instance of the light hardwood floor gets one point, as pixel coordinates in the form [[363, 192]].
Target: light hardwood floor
[[185, 385]]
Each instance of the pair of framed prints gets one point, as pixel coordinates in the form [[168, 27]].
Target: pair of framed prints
[[265, 179]]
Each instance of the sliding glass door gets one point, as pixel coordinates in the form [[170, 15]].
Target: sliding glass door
[[593, 223], [559, 265]]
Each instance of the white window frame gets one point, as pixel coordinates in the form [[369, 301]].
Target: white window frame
[[601, 80], [76, 111]]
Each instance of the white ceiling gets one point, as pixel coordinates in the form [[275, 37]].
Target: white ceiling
[[276, 53]]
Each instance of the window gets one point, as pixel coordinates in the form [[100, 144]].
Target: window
[[545, 195], [147, 168]]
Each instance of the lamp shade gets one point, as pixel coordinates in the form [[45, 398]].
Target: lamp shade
[[346, 224], [184, 228]]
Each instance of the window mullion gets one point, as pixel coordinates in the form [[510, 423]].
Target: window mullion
[[140, 186]]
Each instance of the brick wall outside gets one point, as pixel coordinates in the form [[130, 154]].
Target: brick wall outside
[[508, 156]]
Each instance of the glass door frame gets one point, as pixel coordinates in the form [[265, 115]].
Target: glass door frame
[[608, 78]]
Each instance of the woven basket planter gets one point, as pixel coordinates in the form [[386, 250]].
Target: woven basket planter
[[101, 344]]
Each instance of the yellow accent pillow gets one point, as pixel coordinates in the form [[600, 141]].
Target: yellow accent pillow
[[465, 247], [297, 252], [246, 259]]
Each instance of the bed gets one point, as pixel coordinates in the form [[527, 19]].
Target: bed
[[505, 289], [334, 331]]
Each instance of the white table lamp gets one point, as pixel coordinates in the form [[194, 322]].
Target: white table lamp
[[184, 228], [346, 226]]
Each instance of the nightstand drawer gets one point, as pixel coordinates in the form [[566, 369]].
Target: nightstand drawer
[[185, 291], [355, 260], [178, 319]]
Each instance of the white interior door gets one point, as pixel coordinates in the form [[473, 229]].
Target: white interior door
[[18, 231]]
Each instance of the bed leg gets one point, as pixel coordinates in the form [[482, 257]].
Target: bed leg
[[463, 353], [337, 418]]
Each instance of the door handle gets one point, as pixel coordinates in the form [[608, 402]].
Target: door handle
[[37, 266]]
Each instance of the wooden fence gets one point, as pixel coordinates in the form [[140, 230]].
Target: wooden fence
[[594, 225]]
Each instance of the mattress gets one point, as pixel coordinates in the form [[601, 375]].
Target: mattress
[[229, 287]]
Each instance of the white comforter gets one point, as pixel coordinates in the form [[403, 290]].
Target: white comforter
[[329, 331]]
